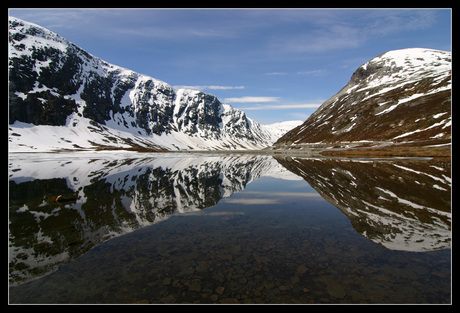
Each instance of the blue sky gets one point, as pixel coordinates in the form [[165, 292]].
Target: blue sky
[[275, 64]]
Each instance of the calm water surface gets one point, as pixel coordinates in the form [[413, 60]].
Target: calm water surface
[[175, 228]]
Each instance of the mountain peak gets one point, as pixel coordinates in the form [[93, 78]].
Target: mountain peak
[[410, 63]]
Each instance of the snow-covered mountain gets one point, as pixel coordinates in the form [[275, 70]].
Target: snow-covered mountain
[[61, 97], [400, 97]]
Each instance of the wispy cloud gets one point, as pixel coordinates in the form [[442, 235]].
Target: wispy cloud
[[308, 72], [251, 99], [334, 30], [312, 72], [138, 24], [283, 106], [276, 73], [224, 87], [211, 87], [332, 38]]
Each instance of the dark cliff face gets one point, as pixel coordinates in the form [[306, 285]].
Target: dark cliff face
[[403, 95], [46, 106], [60, 73], [197, 111]]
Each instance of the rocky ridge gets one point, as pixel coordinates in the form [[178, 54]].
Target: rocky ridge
[[400, 98], [63, 98]]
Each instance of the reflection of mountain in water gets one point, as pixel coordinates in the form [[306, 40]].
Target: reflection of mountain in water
[[104, 197], [402, 205]]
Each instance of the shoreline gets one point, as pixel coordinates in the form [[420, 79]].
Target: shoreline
[[439, 153]]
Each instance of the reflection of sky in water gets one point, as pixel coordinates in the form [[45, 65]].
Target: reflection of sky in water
[[267, 191]]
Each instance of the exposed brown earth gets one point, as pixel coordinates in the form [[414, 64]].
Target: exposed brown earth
[[443, 153]]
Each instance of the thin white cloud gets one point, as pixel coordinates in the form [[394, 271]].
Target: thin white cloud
[[224, 87], [312, 72], [335, 30], [333, 38], [137, 24], [283, 106], [276, 73], [211, 87], [251, 99]]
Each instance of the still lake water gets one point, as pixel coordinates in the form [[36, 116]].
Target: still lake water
[[178, 228]]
